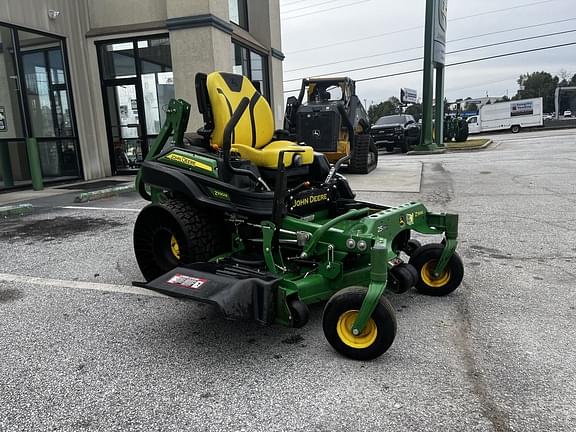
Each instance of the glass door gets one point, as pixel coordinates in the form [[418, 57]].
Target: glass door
[[125, 128], [137, 83]]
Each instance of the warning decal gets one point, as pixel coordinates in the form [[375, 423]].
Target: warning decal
[[187, 281]]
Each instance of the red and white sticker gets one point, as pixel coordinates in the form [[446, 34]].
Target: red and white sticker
[[187, 281]]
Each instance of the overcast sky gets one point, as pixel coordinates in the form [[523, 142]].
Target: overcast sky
[[306, 32]]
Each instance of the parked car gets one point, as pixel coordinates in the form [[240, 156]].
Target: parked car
[[567, 114], [547, 117], [396, 131]]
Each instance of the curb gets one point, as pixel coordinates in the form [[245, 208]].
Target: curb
[[18, 209], [483, 146], [432, 152], [104, 193]]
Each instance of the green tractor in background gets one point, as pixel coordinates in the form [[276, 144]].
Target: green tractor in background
[[455, 126]]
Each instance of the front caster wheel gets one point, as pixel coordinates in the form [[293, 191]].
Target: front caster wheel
[[339, 316], [425, 259], [403, 277], [411, 246], [299, 312]]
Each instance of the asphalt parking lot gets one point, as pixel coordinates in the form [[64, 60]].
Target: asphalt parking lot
[[80, 349]]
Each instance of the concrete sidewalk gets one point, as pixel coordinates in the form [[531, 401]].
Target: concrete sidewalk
[[389, 177], [57, 195]]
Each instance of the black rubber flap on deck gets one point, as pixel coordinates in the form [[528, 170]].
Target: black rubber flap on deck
[[240, 292]]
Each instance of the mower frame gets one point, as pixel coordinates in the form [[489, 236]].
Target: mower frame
[[368, 230]]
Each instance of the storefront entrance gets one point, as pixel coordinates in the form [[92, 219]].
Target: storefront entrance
[[35, 102], [124, 111], [137, 84]]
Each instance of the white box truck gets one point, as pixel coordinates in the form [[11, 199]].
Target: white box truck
[[511, 115]]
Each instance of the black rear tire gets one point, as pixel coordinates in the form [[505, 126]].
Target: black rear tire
[[172, 233], [515, 129], [365, 156]]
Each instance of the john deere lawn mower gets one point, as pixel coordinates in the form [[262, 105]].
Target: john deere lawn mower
[[328, 116], [263, 227]]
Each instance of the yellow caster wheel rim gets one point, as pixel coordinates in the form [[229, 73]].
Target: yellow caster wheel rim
[[344, 329], [427, 275]]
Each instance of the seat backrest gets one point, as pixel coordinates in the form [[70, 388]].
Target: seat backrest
[[256, 127]]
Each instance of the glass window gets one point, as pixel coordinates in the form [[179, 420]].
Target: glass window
[[11, 125], [35, 102], [58, 158], [239, 12], [118, 60], [45, 86], [56, 67], [253, 65], [157, 81], [158, 89], [240, 64], [155, 55], [258, 72]]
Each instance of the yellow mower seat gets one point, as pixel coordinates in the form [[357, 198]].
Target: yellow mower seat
[[252, 136]]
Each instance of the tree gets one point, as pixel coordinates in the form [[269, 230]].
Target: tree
[[573, 81], [538, 84], [414, 110], [390, 107], [504, 99], [564, 76]]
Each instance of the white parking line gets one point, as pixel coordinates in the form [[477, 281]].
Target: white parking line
[[124, 289], [101, 208]]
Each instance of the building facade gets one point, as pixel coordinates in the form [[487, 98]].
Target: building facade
[[89, 79]]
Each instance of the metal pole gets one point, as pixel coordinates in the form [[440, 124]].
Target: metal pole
[[426, 142], [556, 103], [34, 161], [440, 105]]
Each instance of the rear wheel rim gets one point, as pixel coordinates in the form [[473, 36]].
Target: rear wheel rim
[[164, 249], [175, 247]]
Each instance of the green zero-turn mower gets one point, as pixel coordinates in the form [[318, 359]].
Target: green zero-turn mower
[[263, 227]]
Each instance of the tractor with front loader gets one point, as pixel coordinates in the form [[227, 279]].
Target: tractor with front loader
[[328, 116]]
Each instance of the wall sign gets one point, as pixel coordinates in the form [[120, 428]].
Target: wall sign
[[408, 96], [3, 126], [440, 24], [521, 109]]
